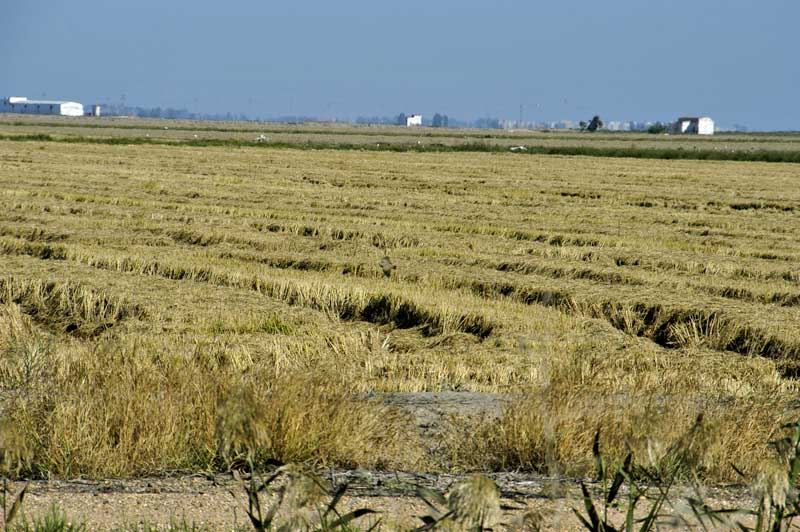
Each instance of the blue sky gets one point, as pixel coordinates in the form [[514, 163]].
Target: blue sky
[[734, 60]]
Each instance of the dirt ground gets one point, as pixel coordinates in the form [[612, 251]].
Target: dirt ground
[[219, 502]]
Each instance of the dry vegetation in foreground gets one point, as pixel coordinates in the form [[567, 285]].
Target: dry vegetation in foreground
[[163, 308]]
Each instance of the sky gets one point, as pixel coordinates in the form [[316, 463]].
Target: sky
[[734, 60]]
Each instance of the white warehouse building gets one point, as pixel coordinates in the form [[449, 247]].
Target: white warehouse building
[[20, 104], [698, 126], [413, 120]]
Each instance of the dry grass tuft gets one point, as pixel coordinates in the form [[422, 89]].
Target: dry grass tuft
[[475, 503], [553, 434], [115, 408], [302, 421]]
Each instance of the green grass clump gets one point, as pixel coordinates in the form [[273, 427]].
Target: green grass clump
[[273, 324]]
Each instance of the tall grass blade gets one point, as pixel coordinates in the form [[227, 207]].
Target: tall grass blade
[[619, 478], [337, 496], [598, 457], [355, 514], [12, 513], [431, 523], [428, 495], [589, 526], [590, 509]]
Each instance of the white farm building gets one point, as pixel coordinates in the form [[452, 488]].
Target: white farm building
[[413, 120], [20, 104], [694, 125]]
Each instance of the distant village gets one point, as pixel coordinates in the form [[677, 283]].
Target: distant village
[[686, 125]]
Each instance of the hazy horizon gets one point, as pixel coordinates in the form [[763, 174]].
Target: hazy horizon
[[731, 60]]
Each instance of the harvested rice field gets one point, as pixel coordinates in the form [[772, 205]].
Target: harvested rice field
[[172, 308]]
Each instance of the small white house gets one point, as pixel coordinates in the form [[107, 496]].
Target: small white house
[[413, 120], [695, 125], [20, 104]]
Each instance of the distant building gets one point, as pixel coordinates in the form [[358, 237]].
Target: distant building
[[694, 125], [20, 104], [562, 124], [618, 125], [413, 120]]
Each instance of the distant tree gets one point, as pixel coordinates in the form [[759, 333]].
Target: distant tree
[[595, 124], [657, 128], [401, 119], [583, 125]]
